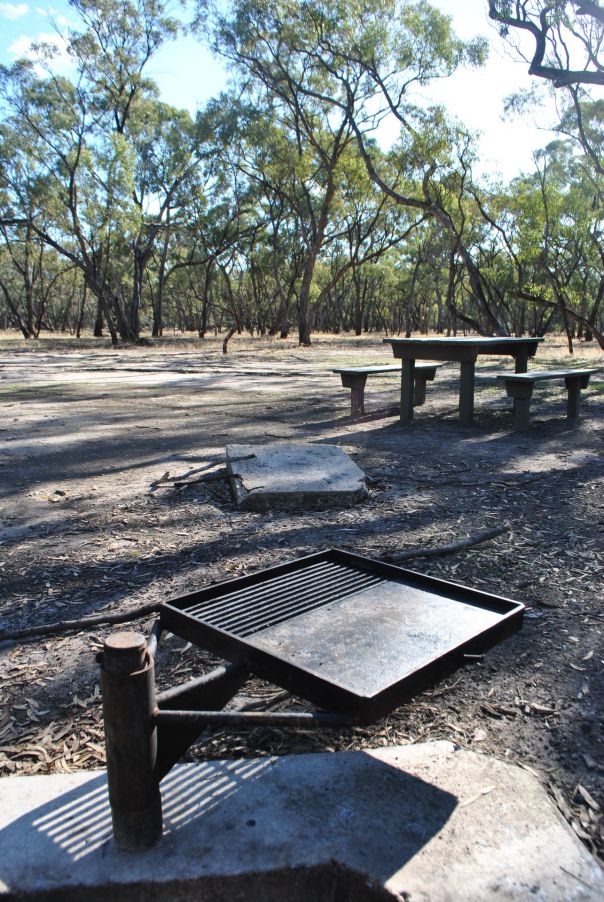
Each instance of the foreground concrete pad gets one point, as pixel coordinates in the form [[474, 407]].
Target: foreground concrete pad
[[426, 822], [283, 476]]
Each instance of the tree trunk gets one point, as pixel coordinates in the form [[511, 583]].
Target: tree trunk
[[205, 301], [227, 338], [81, 312], [158, 307], [134, 327], [98, 320], [306, 314]]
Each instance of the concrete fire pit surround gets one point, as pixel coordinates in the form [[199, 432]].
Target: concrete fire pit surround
[[425, 822], [285, 476]]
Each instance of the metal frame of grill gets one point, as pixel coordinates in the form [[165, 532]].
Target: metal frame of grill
[[355, 636], [227, 619]]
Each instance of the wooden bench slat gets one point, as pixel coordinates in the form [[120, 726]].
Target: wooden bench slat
[[388, 368], [543, 375], [368, 369]]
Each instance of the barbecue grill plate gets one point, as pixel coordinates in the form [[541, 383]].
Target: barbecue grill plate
[[343, 631]]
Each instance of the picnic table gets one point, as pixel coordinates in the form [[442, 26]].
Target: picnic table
[[463, 350]]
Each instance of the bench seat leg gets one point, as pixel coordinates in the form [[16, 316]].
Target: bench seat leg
[[521, 414], [574, 396], [356, 383], [357, 402], [521, 394], [419, 393], [421, 377]]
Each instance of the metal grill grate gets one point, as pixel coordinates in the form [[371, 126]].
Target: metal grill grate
[[258, 607], [350, 634]]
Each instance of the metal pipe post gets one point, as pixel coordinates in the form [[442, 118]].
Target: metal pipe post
[[128, 686]]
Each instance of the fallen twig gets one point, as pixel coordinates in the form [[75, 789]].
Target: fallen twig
[[166, 479], [69, 626], [210, 477], [439, 550]]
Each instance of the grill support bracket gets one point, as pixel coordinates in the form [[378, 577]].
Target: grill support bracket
[[146, 735]]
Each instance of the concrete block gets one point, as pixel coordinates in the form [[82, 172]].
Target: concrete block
[[283, 476], [427, 822]]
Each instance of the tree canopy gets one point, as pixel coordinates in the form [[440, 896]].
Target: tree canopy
[[282, 204]]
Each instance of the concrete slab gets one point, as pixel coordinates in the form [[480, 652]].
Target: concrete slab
[[426, 822], [284, 476]]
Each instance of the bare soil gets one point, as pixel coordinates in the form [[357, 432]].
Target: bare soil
[[91, 437]]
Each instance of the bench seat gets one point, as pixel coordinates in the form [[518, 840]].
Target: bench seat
[[519, 386], [355, 377]]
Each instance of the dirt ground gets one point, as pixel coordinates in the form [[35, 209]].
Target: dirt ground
[[87, 432]]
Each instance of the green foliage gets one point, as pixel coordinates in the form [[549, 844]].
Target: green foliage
[[279, 204]]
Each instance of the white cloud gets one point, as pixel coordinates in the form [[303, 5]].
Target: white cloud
[[13, 10], [26, 48], [49, 12]]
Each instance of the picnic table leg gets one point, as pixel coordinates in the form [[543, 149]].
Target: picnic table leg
[[574, 394], [407, 381], [466, 392], [521, 414]]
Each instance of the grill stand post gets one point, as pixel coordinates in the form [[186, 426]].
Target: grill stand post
[[128, 687]]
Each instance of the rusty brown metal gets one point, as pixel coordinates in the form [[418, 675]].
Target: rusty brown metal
[[128, 687], [252, 719], [211, 691]]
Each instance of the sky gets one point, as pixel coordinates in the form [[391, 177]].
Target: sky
[[188, 76]]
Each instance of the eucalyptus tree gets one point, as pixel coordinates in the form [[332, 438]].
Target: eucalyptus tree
[[567, 36], [349, 66], [104, 158], [30, 278], [368, 226], [566, 260], [542, 235], [273, 70], [568, 50]]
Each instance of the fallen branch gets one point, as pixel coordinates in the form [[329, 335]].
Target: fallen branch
[[166, 479], [440, 550], [211, 477], [69, 626]]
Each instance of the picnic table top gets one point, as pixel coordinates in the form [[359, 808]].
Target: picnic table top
[[479, 341]]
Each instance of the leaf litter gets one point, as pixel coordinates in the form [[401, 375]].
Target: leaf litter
[[117, 540]]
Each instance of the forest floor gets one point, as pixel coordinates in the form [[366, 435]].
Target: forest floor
[[87, 432]]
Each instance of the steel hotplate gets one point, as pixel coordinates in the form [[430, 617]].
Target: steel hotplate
[[346, 632]]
